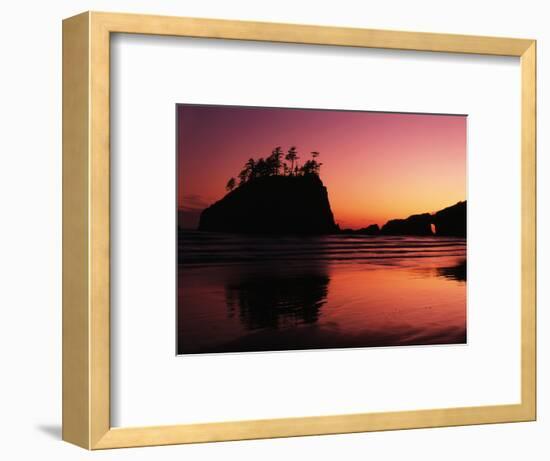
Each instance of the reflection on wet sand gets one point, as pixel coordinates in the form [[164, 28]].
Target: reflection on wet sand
[[278, 301], [456, 272], [259, 294]]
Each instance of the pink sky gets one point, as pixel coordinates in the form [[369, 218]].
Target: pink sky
[[376, 165]]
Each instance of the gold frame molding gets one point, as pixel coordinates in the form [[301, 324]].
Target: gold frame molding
[[86, 259]]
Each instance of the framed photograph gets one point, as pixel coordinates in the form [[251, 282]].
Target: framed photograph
[[264, 265], [276, 230]]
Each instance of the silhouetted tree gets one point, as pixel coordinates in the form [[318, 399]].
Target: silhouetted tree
[[252, 166], [243, 177], [311, 166], [263, 168], [275, 160], [292, 157], [231, 184], [248, 172], [273, 164]]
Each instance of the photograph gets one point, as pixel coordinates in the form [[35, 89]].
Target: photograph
[[313, 229]]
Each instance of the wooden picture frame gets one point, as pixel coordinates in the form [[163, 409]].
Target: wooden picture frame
[[86, 230]]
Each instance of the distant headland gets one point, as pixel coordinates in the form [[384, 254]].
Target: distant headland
[[448, 222], [277, 195]]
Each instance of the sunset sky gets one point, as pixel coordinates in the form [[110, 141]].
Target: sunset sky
[[376, 166]]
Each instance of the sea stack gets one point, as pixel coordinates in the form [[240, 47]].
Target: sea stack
[[273, 205]]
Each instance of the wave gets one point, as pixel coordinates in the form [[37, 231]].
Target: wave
[[215, 248]]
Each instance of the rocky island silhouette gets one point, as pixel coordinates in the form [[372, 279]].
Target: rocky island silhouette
[[273, 205], [273, 196]]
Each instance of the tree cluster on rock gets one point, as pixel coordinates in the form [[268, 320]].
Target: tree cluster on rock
[[278, 163]]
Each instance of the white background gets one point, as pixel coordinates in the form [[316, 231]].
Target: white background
[[152, 387], [30, 140]]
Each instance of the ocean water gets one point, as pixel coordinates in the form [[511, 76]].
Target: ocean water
[[239, 293]]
